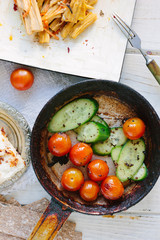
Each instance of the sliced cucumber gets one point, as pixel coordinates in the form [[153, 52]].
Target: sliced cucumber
[[117, 138], [73, 115], [99, 120], [131, 159], [76, 130], [95, 119], [92, 132], [141, 174], [115, 152]]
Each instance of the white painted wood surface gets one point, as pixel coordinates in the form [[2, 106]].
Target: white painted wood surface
[[141, 222]]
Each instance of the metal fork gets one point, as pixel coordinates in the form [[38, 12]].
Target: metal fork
[[135, 42]]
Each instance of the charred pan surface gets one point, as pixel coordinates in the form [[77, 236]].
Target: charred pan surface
[[113, 111], [127, 97]]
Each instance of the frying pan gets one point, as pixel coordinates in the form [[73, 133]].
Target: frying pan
[[61, 206]]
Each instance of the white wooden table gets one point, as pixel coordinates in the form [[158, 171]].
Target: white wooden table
[[141, 222]]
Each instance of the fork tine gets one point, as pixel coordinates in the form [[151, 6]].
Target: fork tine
[[123, 26]]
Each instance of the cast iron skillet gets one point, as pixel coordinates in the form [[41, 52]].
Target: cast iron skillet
[[61, 207]]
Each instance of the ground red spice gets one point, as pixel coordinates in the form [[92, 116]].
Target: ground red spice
[[15, 7]]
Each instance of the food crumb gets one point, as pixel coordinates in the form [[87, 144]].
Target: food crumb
[[43, 56], [101, 13], [149, 52], [134, 218], [86, 40], [109, 216], [0, 24], [15, 7], [109, 18], [11, 38], [68, 49]]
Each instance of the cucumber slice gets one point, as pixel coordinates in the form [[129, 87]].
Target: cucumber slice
[[130, 159], [96, 119], [92, 132], [117, 138], [99, 120], [141, 174], [76, 130], [115, 152], [73, 115]]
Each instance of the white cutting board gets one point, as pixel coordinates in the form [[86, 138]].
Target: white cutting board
[[97, 53]]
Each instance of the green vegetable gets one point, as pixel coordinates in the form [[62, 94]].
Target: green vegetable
[[117, 138], [73, 115], [141, 174], [115, 152], [93, 132], [99, 120], [131, 159]]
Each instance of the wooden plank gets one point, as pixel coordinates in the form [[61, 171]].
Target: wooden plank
[[30, 194], [136, 75], [119, 227], [140, 222], [148, 204], [146, 23]]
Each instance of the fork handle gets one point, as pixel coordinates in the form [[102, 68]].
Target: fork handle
[[155, 70]]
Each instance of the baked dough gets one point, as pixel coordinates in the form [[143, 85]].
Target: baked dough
[[11, 162]]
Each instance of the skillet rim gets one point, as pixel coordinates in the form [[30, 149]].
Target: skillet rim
[[94, 209]]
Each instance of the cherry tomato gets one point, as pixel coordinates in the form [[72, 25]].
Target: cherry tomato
[[97, 170], [89, 190], [59, 144], [72, 179], [80, 154], [134, 128], [22, 79], [112, 188]]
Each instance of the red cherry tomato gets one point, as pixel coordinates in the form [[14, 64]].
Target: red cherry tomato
[[72, 179], [59, 144], [97, 170], [80, 154], [22, 79], [89, 190], [112, 188], [134, 128]]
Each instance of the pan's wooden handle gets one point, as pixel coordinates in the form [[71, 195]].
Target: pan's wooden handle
[[50, 222]]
